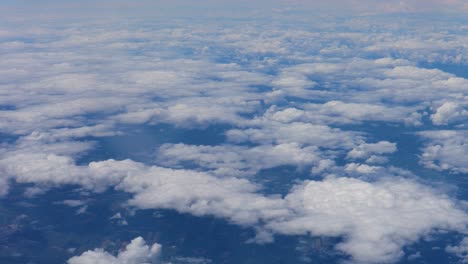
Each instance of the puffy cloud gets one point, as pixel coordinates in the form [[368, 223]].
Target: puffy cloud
[[361, 168], [137, 252], [231, 160], [296, 132], [72, 203], [192, 112], [201, 194], [293, 83], [368, 150], [4, 186], [338, 112], [460, 250], [376, 219], [341, 112], [450, 112], [445, 150]]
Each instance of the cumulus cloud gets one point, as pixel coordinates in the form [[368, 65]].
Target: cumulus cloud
[[460, 250], [137, 252], [229, 160], [361, 168], [450, 112], [445, 150], [377, 219], [338, 112], [370, 151], [296, 132]]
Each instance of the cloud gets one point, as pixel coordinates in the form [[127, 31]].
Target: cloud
[[450, 112], [137, 252], [376, 219], [460, 250], [231, 160], [445, 150], [338, 113], [72, 203], [295, 132], [371, 151]]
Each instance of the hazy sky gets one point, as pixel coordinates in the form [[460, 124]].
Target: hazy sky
[[83, 8]]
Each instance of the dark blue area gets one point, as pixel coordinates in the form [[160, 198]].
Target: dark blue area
[[46, 230], [7, 107]]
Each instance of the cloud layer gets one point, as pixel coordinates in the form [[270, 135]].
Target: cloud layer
[[330, 100]]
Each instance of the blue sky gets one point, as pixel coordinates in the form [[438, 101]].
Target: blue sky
[[282, 131]]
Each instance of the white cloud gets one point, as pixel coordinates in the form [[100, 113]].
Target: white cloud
[[341, 112], [445, 150], [365, 151], [231, 160], [201, 194], [460, 250], [338, 112], [296, 132], [137, 252], [376, 219], [4, 186], [361, 168], [72, 203], [450, 112]]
